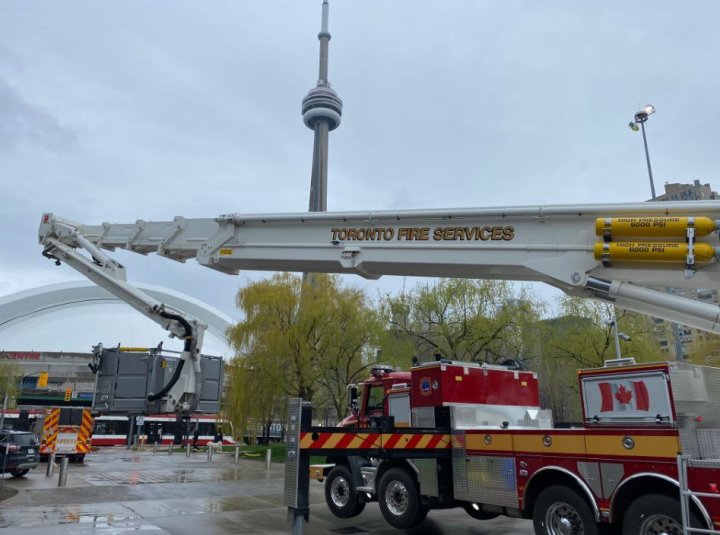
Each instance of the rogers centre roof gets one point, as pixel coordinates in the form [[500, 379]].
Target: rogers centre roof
[[76, 316]]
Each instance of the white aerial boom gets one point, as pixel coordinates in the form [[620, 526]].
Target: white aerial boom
[[617, 252]]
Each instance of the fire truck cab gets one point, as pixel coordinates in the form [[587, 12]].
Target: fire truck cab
[[368, 402]]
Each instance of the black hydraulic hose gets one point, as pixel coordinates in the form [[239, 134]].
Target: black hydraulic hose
[[188, 346]]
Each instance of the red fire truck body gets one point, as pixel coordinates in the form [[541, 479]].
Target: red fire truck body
[[477, 438]]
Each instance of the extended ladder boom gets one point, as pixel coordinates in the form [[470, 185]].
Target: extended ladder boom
[[617, 252]]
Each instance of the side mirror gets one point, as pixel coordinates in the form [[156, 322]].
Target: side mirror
[[352, 399]]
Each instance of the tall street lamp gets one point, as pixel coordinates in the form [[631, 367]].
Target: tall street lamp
[[640, 118]]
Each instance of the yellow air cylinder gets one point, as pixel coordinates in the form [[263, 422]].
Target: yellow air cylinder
[[652, 252], [653, 226]]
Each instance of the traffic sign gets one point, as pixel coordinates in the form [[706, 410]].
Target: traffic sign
[[42, 380], [139, 420]]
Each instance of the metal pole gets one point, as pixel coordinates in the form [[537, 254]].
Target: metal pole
[[62, 478], [4, 408], [50, 470], [647, 159], [268, 454], [209, 451], [155, 447], [132, 429], [7, 452], [617, 334], [298, 525], [170, 448], [187, 450], [237, 454]]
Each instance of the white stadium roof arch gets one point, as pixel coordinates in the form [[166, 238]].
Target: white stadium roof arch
[[74, 316]]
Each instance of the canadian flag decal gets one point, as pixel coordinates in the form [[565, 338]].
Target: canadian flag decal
[[625, 395]]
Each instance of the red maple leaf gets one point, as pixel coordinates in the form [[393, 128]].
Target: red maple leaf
[[623, 395]]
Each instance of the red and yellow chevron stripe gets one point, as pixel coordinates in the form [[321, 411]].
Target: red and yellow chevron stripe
[[85, 433], [366, 441], [50, 431]]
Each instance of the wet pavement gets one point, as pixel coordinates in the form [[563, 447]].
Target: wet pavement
[[117, 492]]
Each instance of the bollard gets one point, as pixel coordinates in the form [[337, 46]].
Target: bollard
[[187, 450], [209, 451], [62, 478], [170, 448], [155, 447], [237, 454], [51, 465], [267, 459]]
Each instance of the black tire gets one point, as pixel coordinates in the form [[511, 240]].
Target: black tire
[[399, 499], [478, 514], [19, 473], [559, 509], [340, 495], [656, 513]]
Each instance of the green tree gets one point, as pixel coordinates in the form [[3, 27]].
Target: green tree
[[10, 373], [470, 320], [296, 341], [705, 350]]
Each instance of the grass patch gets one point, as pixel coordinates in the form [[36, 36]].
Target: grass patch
[[258, 453]]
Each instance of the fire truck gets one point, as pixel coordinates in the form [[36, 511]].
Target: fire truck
[[459, 434], [454, 434], [67, 432]]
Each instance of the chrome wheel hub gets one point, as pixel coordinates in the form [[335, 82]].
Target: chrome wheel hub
[[562, 519], [396, 498], [340, 491]]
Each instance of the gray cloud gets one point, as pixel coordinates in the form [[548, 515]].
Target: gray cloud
[[22, 121]]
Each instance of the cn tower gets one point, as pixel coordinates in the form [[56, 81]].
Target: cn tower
[[321, 111]]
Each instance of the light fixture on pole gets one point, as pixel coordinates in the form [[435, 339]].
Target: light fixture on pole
[[640, 118], [612, 323]]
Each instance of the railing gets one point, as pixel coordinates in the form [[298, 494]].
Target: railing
[[686, 494]]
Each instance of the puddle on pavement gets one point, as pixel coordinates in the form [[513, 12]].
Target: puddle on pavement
[[181, 475]]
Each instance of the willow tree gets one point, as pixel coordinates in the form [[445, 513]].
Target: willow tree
[[470, 320], [296, 341]]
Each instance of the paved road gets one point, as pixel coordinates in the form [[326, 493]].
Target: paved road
[[116, 492]]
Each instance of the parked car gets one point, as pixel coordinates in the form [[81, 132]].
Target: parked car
[[19, 452]]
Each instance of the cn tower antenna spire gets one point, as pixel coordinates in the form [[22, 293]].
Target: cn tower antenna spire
[[321, 110]]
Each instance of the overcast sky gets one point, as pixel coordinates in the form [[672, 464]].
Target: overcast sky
[[117, 111]]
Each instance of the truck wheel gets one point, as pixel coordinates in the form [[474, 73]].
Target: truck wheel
[[20, 473], [560, 511], [474, 511], [656, 513], [399, 499], [341, 498]]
